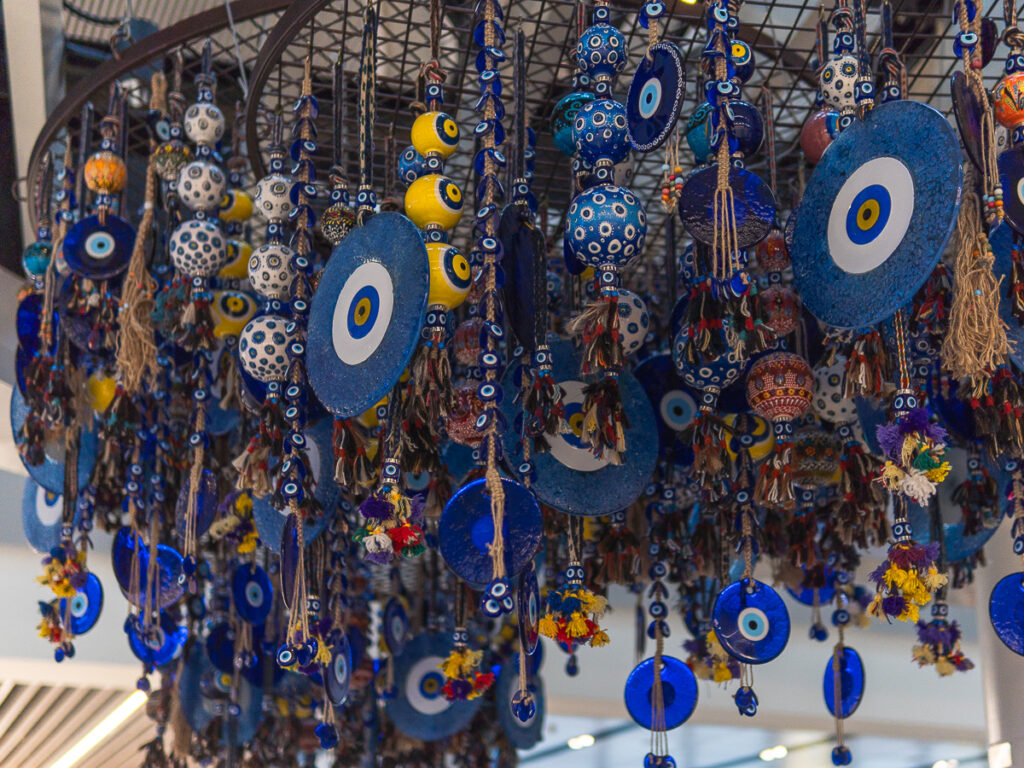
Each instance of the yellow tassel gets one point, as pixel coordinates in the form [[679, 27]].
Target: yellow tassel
[[598, 605], [323, 653], [875, 607], [547, 626], [599, 639], [938, 474], [935, 580], [944, 667], [577, 625], [891, 476], [470, 661], [722, 673], [907, 453], [452, 664]]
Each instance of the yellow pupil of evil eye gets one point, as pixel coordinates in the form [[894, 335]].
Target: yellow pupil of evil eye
[[453, 193], [460, 266], [576, 424], [362, 311], [450, 128], [235, 305], [868, 214]]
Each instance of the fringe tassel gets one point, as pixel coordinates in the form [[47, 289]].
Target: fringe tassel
[[545, 413], [352, 467], [253, 465], [867, 365], [604, 419], [195, 327], [746, 329], [428, 402], [775, 482], [859, 511], [705, 337], [598, 325], [997, 406], [1016, 288]]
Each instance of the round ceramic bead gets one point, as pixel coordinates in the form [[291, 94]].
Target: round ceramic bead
[[273, 197], [772, 255], [202, 185], [830, 401], [434, 200], [1008, 100], [781, 307], [838, 83], [170, 157], [336, 222], [450, 275], [435, 133], [817, 134], [780, 386], [601, 51], [204, 123], [411, 165], [563, 116], [634, 320], [36, 258], [466, 341], [747, 127], [600, 132], [198, 248], [606, 225], [263, 348], [698, 135], [105, 173], [270, 271], [237, 267], [236, 206]]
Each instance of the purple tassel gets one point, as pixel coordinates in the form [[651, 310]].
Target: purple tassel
[[377, 509], [894, 605], [379, 558]]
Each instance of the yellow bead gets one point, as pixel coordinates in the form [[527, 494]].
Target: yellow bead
[[450, 276], [236, 206], [105, 173], [237, 267], [231, 311], [101, 391], [435, 132], [434, 199]]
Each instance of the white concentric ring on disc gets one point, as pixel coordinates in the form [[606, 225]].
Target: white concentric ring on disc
[[419, 702], [48, 513], [856, 258], [349, 349], [581, 459]]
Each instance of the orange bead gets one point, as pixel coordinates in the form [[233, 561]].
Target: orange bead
[[105, 173]]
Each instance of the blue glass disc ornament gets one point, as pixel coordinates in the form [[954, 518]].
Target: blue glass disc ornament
[[220, 647], [41, 516], [171, 583], [99, 251], [851, 684], [337, 673], [568, 476], [806, 595], [252, 592], [1001, 239], [162, 644], [1011, 179], [395, 625], [204, 693], [466, 530], [528, 609], [419, 708], [751, 621], [753, 199], [655, 96], [522, 734], [968, 114], [678, 689], [50, 474], [289, 563], [675, 405], [86, 605], [877, 214], [367, 314], [1006, 610], [206, 505], [29, 320]]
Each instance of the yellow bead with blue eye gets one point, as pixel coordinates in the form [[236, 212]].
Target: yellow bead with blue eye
[[450, 275], [231, 311], [101, 391], [434, 200], [435, 133], [236, 206], [237, 267]]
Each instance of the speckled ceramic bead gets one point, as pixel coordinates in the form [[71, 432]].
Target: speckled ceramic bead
[[411, 165], [198, 248], [170, 157], [434, 200], [273, 197], [634, 320], [204, 123], [563, 116], [336, 222], [105, 173], [600, 132], [838, 83], [263, 348], [601, 51], [830, 401], [450, 276], [435, 133], [713, 374], [202, 186], [270, 270], [606, 225]]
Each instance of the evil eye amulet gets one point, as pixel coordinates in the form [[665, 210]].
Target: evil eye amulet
[[747, 127], [411, 165], [606, 225], [231, 311], [270, 271], [198, 248], [434, 200], [838, 83], [563, 116], [105, 173], [742, 56], [201, 185], [204, 123], [435, 133], [634, 321], [236, 206], [237, 265], [600, 131], [273, 197], [1008, 100], [263, 348], [450, 275], [601, 51]]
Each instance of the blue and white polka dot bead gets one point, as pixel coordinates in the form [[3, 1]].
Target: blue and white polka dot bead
[[263, 348], [634, 321], [411, 165], [601, 51], [198, 248], [713, 374], [606, 225], [600, 132]]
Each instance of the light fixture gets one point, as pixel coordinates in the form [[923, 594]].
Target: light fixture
[[582, 741], [776, 753], [690, 2], [107, 726], [945, 764]]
